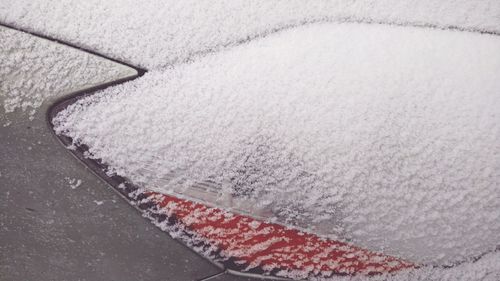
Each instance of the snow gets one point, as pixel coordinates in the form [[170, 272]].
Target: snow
[[384, 136], [98, 203], [388, 137], [157, 33], [485, 269], [73, 183], [34, 70]]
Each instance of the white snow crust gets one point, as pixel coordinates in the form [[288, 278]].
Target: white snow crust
[[388, 137], [156, 33]]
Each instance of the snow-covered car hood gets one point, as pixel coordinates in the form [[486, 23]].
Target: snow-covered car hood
[[384, 136]]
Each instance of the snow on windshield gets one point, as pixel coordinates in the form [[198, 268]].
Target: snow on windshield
[[156, 33], [388, 137]]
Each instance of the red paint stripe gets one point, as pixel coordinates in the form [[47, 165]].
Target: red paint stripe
[[267, 245]]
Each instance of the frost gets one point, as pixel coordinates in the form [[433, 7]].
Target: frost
[[384, 136]]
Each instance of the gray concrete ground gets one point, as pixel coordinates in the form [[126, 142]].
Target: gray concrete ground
[[50, 231]]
